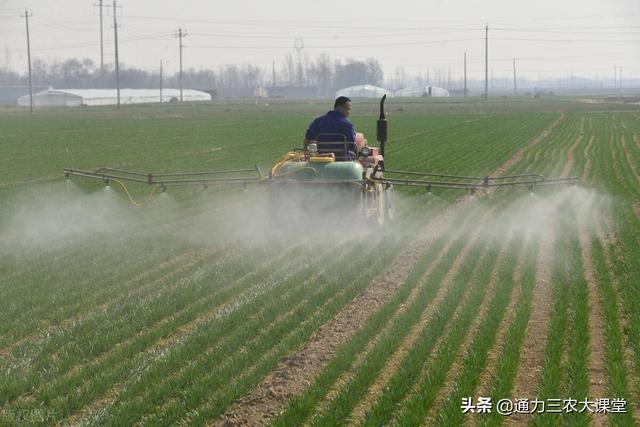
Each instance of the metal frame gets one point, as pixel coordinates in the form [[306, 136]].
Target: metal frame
[[171, 179], [472, 183]]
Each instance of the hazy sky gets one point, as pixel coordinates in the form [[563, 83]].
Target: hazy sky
[[547, 37]]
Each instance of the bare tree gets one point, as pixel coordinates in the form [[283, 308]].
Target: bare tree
[[289, 70], [321, 74]]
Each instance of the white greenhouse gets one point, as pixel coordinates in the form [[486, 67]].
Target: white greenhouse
[[77, 97], [421, 91], [364, 91]]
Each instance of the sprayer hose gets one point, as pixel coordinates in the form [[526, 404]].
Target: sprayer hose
[[132, 200], [291, 155]]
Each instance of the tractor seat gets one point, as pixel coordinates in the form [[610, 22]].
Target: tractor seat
[[337, 144]]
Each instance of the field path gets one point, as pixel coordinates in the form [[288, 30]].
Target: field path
[[569, 164], [296, 372], [520, 153], [394, 363], [587, 163], [532, 354], [597, 373]]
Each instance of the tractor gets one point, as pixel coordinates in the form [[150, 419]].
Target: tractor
[[332, 170]]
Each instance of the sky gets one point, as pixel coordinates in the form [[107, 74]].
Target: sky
[[547, 38]]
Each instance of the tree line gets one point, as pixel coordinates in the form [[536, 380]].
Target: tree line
[[324, 73]]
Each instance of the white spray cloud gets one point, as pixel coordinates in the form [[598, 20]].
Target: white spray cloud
[[57, 215], [62, 215], [540, 214]]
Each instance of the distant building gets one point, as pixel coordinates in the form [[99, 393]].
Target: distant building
[[422, 91], [76, 97], [364, 91]]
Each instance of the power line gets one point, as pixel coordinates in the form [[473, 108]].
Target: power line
[[162, 37], [567, 40], [341, 46]]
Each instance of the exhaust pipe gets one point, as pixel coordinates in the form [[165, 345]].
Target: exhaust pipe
[[382, 126]]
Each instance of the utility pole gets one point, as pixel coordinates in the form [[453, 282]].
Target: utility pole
[[465, 74], [515, 87], [181, 34], [161, 81], [115, 32], [486, 61], [26, 18], [615, 76], [101, 45]]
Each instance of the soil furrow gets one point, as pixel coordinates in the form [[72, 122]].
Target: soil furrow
[[456, 367], [596, 367], [569, 164], [394, 362], [335, 389], [520, 153], [587, 161], [531, 359]]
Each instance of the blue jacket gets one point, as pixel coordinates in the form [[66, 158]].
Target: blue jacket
[[332, 122]]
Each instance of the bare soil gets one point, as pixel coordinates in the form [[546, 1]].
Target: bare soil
[[531, 359], [597, 374]]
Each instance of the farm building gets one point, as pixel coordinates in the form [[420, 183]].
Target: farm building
[[75, 97], [421, 91], [364, 91]]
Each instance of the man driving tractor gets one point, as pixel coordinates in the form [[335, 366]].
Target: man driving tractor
[[334, 125]]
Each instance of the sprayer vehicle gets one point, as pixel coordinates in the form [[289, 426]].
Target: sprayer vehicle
[[329, 166]]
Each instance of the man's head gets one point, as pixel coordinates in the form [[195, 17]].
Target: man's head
[[342, 105]]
